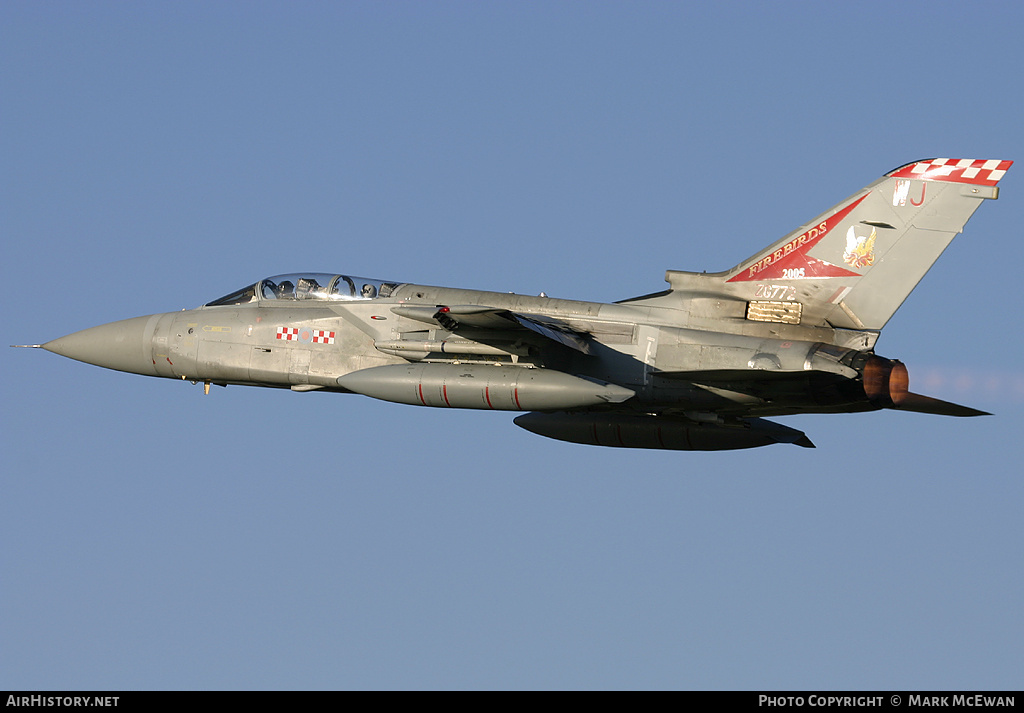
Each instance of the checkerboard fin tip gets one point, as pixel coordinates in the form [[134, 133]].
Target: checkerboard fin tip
[[973, 171]]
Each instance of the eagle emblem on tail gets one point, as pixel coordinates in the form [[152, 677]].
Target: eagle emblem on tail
[[860, 251]]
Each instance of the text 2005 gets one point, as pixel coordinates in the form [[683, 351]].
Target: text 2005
[[776, 292]]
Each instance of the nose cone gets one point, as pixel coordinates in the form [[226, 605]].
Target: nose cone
[[124, 345]]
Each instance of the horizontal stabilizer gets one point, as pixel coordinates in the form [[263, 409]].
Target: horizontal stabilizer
[[926, 404], [715, 377], [762, 383]]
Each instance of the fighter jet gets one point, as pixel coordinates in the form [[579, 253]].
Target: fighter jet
[[698, 366]]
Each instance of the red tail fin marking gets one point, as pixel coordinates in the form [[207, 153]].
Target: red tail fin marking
[[791, 260]]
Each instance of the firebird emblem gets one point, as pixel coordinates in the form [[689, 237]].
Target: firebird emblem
[[860, 252]]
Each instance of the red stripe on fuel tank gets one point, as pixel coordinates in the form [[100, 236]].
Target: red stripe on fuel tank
[[487, 395], [422, 400], [444, 392], [516, 394]]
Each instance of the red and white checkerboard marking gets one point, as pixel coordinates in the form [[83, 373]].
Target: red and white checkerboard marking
[[305, 334], [977, 171]]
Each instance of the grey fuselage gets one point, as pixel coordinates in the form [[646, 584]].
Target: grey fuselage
[[307, 344]]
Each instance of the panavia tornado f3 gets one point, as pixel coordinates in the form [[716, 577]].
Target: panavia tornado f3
[[695, 367]]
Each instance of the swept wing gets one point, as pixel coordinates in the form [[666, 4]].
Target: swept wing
[[461, 317]]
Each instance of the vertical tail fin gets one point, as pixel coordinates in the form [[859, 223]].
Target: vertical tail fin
[[854, 265]]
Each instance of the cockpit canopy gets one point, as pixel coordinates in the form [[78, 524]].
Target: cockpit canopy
[[309, 286]]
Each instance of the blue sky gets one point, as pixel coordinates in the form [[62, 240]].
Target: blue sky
[[158, 155]]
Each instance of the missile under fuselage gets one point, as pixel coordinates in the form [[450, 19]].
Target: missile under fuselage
[[502, 388], [417, 350]]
